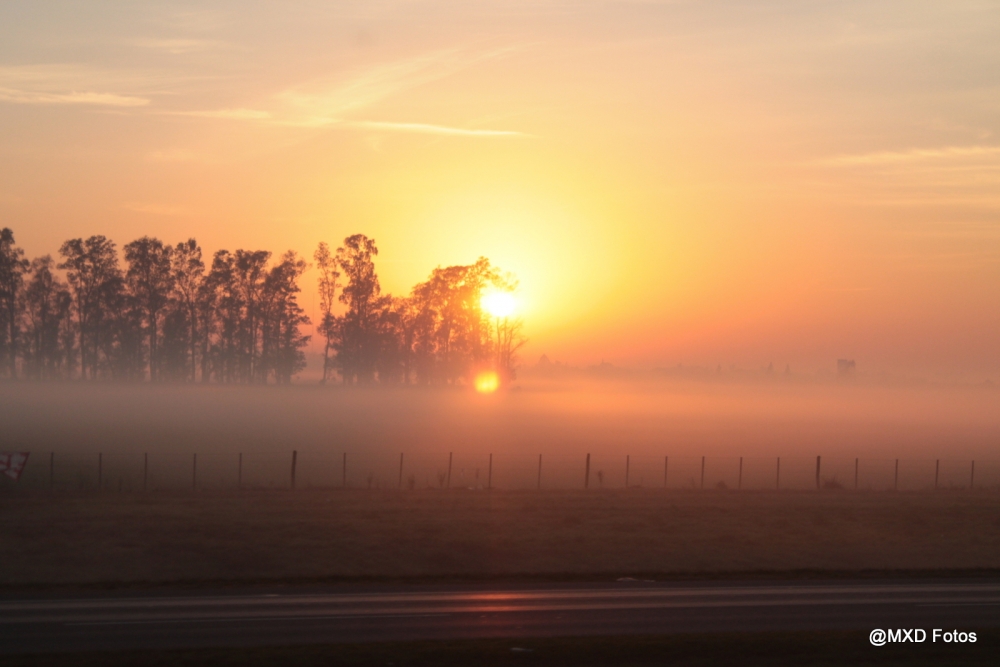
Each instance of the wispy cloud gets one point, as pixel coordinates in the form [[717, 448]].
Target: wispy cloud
[[424, 128], [332, 101], [225, 114], [332, 97], [328, 100], [913, 155], [64, 84], [343, 124], [99, 99]]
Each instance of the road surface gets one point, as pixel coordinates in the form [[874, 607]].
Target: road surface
[[396, 612]]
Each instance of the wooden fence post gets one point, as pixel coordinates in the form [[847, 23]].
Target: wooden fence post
[[817, 473], [489, 479], [450, 456], [856, 461], [586, 474], [703, 472], [739, 483], [401, 470], [539, 472], [627, 464], [295, 455]]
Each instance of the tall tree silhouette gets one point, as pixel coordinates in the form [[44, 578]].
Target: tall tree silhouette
[[249, 273], [92, 271], [12, 268], [452, 334], [47, 307], [356, 332], [282, 340], [326, 264], [221, 302], [150, 281], [188, 271]]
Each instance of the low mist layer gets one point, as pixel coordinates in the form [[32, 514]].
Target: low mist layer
[[645, 422]]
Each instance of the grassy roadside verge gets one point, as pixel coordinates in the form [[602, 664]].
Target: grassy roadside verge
[[324, 536], [829, 649]]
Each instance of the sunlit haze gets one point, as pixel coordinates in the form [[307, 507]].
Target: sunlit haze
[[708, 184]]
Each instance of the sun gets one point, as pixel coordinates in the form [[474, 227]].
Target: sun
[[498, 304]]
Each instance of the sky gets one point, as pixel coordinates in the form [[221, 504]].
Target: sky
[[703, 183]]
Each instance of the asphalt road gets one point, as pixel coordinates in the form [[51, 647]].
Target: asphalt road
[[384, 613]]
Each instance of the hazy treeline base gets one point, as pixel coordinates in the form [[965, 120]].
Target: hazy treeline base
[[169, 316]]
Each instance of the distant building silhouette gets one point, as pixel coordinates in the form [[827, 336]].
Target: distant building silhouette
[[845, 368]]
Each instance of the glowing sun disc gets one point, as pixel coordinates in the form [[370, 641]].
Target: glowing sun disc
[[499, 304]]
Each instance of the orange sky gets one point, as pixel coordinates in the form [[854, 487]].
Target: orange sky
[[672, 182]]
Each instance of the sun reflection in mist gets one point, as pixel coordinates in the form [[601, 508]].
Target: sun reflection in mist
[[487, 382]]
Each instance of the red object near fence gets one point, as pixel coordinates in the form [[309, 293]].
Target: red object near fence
[[12, 463]]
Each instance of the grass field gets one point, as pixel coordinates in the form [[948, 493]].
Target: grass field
[[122, 539]]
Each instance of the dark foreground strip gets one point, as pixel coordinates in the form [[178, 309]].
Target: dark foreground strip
[[830, 649]]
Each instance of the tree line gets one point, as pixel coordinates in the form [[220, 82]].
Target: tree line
[[163, 313]]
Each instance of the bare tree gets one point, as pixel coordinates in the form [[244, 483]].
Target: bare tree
[[508, 342]]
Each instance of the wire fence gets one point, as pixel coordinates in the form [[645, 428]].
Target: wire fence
[[132, 472]]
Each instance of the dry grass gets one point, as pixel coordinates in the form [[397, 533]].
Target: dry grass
[[316, 534]]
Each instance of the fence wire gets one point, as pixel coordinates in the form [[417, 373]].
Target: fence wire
[[132, 472]]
